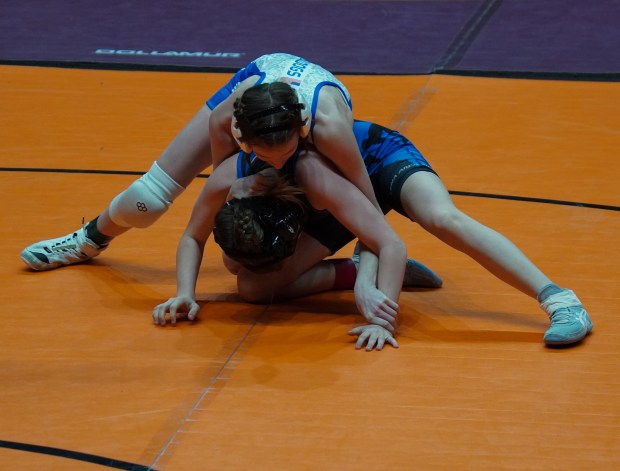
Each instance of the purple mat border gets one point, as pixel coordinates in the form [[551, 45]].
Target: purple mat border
[[553, 36], [570, 39]]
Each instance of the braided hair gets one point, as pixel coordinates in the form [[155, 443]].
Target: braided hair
[[261, 231], [269, 113]]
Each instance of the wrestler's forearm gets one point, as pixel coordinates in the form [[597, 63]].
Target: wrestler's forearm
[[367, 269], [189, 258], [391, 270]]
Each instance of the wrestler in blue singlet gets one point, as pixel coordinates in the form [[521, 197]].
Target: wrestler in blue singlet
[[390, 159]]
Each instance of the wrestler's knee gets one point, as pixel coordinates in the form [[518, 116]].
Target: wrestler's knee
[[145, 200], [443, 220], [252, 289], [231, 265]]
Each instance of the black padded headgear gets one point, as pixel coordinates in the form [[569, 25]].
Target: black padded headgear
[[264, 230]]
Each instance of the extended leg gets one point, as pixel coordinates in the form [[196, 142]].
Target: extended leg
[[427, 201]]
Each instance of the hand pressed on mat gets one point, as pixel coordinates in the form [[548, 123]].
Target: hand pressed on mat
[[374, 336], [178, 307]]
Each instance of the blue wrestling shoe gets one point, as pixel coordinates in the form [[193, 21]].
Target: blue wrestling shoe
[[416, 274], [569, 320]]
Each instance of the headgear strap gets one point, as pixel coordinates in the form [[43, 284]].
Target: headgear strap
[[276, 109], [246, 130]]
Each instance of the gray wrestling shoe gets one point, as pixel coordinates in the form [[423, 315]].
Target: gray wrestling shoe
[[569, 320], [420, 276], [54, 253], [417, 275]]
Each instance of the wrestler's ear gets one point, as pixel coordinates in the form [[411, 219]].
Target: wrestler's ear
[[238, 135]]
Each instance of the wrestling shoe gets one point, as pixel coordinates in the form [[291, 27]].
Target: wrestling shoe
[[569, 320], [416, 274], [420, 276], [54, 253]]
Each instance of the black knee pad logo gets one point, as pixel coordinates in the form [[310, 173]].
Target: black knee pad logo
[[142, 207]]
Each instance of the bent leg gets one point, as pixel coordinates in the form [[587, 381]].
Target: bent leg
[[426, 201], [184, 158], [302, 274], [140, 205]]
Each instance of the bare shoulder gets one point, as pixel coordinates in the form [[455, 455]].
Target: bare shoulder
[[332, 108]]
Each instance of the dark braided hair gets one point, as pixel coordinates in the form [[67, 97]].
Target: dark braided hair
[[257, 124], [261, 231]]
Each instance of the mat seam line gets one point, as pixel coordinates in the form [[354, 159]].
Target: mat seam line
[[207, 390], [468, 34]]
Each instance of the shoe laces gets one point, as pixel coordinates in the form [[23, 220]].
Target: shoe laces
[[62, 246], [564, 316]]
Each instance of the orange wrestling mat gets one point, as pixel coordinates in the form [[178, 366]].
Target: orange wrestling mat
[[88, 382]]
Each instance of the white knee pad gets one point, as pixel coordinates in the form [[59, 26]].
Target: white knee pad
[[145, 200]]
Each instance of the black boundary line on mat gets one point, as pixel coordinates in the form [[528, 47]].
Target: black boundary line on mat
[[535, 200], [124, 66], [452, 192], [567, 76], [118, 66], [75, 455], [128, 66], [467, 35]]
